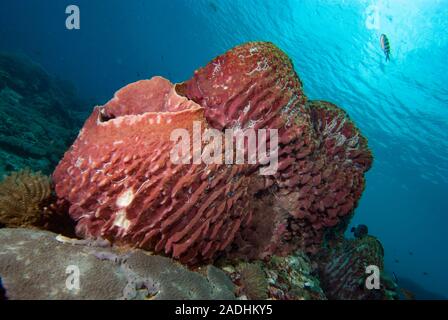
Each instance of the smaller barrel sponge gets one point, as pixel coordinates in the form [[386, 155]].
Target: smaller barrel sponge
[[342, 270], [22, 196]]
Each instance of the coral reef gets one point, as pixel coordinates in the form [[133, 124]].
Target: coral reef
[[37, 120], [33, 265], [293, 278], [342, 270], [121, 185], [27, 200], [280, 278]]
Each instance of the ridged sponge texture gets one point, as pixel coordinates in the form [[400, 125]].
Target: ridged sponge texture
[[322, 156], [123, 186]]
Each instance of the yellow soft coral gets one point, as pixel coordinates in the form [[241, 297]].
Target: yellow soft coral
[[22, 196]]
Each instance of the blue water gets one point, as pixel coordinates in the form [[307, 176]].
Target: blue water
[[401, 106]]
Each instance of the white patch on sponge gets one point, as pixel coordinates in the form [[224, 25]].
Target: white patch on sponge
[[121, 221], [125, 199]]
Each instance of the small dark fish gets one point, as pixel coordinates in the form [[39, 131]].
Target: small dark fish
[[395, 277], [397, 261], [385, 45], [213, 6], [360, 231], [425, 273], [411, 253]]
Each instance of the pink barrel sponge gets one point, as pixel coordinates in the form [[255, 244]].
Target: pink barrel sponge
[[121, 184], [322, 155]]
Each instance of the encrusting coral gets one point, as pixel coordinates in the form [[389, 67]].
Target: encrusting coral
[[34, 265], [120, 183]]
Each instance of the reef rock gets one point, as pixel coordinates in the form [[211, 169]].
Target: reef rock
[[121, 184], [37, 123], [42, 265]]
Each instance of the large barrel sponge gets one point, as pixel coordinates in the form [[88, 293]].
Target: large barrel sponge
[[121, 184]]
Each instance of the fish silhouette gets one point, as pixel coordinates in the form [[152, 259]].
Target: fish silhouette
[[360, 231]]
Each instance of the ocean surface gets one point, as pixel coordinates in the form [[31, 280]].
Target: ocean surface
[[401, 106]]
